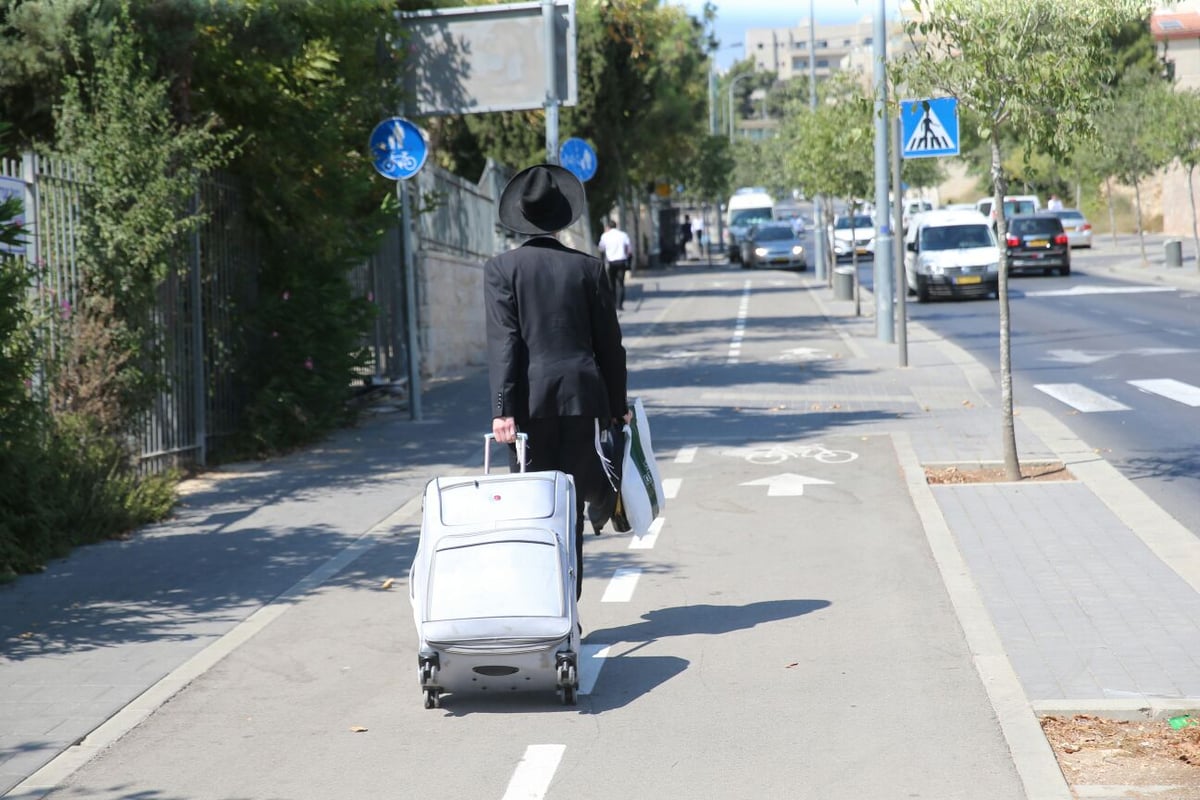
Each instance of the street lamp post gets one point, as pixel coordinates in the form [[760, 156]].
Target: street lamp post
[[732, 84], [819, 241]]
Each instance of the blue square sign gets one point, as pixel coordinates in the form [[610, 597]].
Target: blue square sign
[[929, 128]]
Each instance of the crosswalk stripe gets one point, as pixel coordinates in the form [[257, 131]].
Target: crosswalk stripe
[[1171, 389], [1080, 397]]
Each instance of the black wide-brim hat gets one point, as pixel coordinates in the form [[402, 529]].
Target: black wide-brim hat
[[544, 198]]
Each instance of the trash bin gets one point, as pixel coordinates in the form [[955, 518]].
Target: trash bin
[[843, 283], [1174, 252]]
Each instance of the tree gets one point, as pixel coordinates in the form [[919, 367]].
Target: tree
[[1182, 131], [1036, 67], [1133, 137], [830, 150]]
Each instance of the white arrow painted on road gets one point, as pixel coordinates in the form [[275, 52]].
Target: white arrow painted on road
[[787, 484], [802, 354], [1084, 357]]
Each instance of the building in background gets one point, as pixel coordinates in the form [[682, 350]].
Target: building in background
[[1176, 30]]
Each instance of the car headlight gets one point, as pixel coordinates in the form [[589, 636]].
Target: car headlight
[[797, 250], [760, 251], [928, 267], [994, 267]]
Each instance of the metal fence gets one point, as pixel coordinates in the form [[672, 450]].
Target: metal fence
[[193, 326], [196, 324]]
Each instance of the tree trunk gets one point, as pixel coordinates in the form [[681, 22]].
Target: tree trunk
[[1192, 203], [1137, 204], [1012, 462], [1112, 214]]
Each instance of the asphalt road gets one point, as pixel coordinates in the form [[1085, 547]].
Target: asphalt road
[[1114, 359], [785, 632]]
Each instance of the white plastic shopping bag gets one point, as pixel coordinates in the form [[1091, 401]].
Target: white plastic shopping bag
[[642, 499]]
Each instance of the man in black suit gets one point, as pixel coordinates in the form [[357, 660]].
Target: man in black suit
[[555, 357]]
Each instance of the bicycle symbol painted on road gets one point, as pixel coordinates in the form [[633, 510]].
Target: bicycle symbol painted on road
[[779, 453]]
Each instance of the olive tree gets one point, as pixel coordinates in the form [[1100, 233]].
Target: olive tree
[[1033, 67]]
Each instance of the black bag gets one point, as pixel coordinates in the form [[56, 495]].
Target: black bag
[[604, 499]]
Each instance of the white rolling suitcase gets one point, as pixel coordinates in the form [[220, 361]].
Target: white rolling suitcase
[[493, 584]]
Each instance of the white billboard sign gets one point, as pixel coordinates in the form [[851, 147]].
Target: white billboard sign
[[487, 58]]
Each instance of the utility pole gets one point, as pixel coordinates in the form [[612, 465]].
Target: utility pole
[[551, 82], [819, 242], [885, 330]]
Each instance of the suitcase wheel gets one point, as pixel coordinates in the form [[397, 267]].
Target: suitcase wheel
[[433, 698], [568, 679]]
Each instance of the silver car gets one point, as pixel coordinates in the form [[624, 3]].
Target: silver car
[[773, 244], [1076, 226]]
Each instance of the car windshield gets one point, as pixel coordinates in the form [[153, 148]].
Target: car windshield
[[749, 216], [1018, 207], [953, 237], [774, 233], [1044, 225], [1069, 216], [859, 221]]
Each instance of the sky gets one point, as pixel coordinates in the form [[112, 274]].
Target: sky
[[735, 16]]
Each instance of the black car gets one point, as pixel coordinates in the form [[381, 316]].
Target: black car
[[1037, 243]]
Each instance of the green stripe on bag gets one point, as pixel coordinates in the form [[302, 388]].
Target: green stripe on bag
[[643, 467]]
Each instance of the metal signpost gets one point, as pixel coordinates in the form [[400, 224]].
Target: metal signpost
[[398, 151], [925, 129]]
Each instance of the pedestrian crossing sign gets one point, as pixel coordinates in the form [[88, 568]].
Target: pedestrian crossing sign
[[929, 128]]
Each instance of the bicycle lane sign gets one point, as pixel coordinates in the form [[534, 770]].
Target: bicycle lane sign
[[790, 484], [398, 149]]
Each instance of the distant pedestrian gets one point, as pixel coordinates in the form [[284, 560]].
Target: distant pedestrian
[[617, 251], [698, 235], [1054, 204], [685, 235]]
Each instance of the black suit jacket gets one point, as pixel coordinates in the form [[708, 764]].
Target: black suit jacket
[[554, 343]]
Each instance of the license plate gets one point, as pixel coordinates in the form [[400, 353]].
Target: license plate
[[1039, 242], [966, 279]]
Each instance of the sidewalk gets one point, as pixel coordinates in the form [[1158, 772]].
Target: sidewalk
[[1073, 596]]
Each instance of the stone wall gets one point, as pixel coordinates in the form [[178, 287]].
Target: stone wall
[[452, 335]]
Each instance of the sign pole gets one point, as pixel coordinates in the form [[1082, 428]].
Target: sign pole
[[551, 83], [398, 151], [901, 281], [410, 304], [883, 224]]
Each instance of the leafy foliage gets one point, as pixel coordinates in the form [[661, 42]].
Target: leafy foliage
[[1036, 68]]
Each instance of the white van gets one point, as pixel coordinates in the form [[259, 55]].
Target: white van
[[1013, 204], [952, 253], [748, 206]]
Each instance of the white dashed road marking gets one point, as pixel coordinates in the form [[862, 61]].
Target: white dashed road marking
[[739, 328], [686, 455], [620, 588], [591, 661], [647, 541], [531, 779], [671, 487]]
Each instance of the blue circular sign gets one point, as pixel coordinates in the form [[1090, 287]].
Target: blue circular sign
[[579, 157], [398, 149]]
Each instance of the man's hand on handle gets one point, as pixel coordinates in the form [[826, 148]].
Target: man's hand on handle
[[504, 429]]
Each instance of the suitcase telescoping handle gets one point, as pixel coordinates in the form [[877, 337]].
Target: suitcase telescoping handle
[[488, 438]]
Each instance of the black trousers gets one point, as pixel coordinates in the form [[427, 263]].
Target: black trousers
[[616, 277], [567, 444]]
